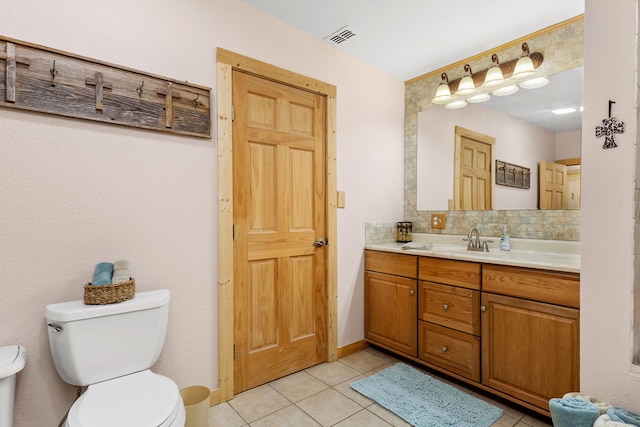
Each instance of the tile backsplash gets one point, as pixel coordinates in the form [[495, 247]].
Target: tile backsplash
[[525, 224]]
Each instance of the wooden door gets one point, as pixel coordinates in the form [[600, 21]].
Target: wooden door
[[530, 350], [554, 188], [473, 184], [278, 212], [573, 180]]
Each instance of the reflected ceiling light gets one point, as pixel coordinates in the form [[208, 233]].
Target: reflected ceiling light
[[443, 93], [494, 77], [466, 85], [481, 97], [505, 90], [534, 83], [564, 110], [524, 68], [456, 104]]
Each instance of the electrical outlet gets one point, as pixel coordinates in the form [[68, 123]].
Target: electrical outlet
[[438, 221]]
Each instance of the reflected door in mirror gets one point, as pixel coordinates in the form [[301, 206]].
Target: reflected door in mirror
[[554, 187], [473, 186]]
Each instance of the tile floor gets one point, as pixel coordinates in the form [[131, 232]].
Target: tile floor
[[320, 396]]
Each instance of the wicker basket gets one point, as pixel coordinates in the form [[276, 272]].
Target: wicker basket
[[109, 294]]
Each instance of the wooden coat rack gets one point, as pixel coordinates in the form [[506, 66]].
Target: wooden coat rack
[[42, 79]]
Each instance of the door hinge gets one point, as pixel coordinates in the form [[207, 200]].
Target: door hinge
[[234, 351], [233, 113], [233, 232]]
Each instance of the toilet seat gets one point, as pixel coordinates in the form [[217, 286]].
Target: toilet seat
[[143, 399]]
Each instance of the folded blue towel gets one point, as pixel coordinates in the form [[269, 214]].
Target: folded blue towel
[[102, 273], [624, 416], [573, 412]]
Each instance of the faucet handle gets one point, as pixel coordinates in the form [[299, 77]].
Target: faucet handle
[[485, 246]]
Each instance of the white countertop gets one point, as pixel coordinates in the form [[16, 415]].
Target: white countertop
[[532, 253]]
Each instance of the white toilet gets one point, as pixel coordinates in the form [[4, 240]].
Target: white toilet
[[110, 348]]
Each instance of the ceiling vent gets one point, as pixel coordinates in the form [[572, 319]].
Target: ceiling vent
[[342, 35]]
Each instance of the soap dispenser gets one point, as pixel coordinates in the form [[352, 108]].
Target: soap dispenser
[[505, 241]]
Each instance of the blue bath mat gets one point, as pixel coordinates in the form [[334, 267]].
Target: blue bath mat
[[423, 401]]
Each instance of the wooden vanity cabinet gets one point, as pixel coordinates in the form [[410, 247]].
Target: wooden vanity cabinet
[[390, 292], [530, 349], [512, 331], [449, 315]]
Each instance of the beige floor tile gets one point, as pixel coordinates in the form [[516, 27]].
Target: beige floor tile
[[223, 415], [363, 361], [380, 368], [299, 386], [345, 388], [536, 421], [291, 416], [333, 373], [381, 354], [508, 410], [388, 416], [505, 421], [329, 407], [258, 402], [363, 418]]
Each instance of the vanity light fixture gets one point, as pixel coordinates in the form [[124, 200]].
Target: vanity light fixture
[[524, 68], [499, 79], [466, 86], [443, 93], [494, 77]]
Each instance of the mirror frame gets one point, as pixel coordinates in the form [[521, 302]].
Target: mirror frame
[[562, 47]]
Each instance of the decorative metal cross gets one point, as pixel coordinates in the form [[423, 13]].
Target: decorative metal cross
[[608, 129]]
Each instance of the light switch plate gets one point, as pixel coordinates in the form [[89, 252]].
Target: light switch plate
[[341, 197]]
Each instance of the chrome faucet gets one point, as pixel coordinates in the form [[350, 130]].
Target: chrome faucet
[[475, 244]]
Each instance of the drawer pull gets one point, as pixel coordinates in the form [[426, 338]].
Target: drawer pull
[[444, 349], [483, 308], [412, 292], [445, 307]]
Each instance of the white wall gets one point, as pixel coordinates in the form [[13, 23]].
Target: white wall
[[73, 193], [607, 223], [568, 145], [517, 142]]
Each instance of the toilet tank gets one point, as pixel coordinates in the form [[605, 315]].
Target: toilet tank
[[94, 343]]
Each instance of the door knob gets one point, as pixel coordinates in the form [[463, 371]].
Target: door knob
[[320, 242]]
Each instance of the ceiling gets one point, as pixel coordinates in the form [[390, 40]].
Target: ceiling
[[408, 38]]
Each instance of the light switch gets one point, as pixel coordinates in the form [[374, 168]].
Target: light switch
[[341, 197]]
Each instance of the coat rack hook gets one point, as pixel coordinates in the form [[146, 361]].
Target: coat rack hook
[[139, 88], [53, 72], [195, 101]]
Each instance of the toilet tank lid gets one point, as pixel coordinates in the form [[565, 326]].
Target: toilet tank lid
[[12, 360], [78, 310]]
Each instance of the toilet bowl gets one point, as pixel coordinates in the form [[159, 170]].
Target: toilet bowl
[[12, 361], [144, 399], [110, 349]]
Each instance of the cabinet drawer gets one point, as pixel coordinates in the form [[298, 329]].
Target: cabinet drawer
[[544, 286], [452, 350], [450, 306], [390, 263], [450, 272]]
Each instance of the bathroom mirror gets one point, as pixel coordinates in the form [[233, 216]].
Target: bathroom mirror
[[526, 132]]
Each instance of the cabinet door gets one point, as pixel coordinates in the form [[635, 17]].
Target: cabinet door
[[530, 350], [391, 311]]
